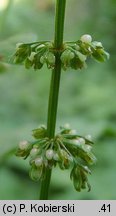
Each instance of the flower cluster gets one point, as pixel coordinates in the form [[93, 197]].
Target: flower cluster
[[73, 54], [35, 55], [67, 150]]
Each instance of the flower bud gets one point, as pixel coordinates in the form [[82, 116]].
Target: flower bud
[[38, 161], [33, 152], [66, 126], [51, 58], [87, 148], [64, 154], [56, 156], [76, 142], [71, 55], [81, 141], [88, 137], [86, 38], [23, 145], [49, 154], [73, 132]]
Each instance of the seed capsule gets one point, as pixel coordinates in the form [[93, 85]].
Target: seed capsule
[[76, 142], [86, 38], [23, 145], [49, 154]]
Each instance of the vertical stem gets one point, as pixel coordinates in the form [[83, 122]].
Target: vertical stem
[[59, 22], [54, 87]]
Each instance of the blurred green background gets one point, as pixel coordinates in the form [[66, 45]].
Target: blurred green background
[[87, 98]]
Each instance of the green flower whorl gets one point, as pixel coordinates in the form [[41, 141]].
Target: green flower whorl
[[67, 150], [73, 54]]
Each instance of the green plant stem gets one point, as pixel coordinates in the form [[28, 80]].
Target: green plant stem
[[54, 87]]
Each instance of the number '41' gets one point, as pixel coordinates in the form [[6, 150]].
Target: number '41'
[[105, 208]]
